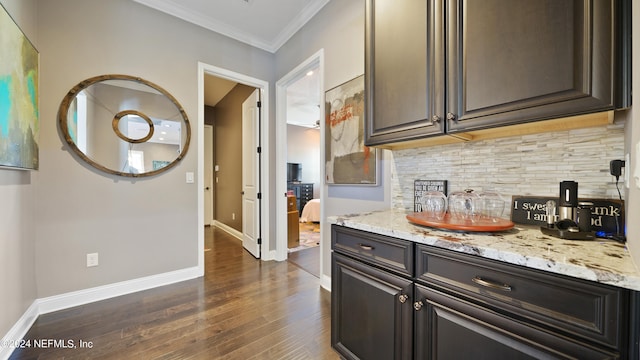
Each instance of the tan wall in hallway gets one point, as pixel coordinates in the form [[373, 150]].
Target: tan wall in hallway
[[228, 156]]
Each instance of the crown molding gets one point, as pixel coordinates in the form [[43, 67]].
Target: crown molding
[[271, 45]]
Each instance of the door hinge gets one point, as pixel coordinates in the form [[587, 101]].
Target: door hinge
[[259, 149], [259, 104], [259, 196], [259, 241]]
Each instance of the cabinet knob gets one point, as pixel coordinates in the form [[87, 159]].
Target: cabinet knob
[[403, 298], [417, 305], [451, 117], [435, 119]]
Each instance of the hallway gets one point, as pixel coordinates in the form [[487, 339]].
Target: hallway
[[242, 309]]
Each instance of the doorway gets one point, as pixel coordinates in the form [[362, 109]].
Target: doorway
[[315, 63], [262, 212]]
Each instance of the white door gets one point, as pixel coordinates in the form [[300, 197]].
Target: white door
[[251, 174], [208, 175]]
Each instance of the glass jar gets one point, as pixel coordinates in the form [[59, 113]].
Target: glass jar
[[434, 204], [465, 205], [492, 206]]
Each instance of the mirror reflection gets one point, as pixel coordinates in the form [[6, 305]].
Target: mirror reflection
[[124, 125]]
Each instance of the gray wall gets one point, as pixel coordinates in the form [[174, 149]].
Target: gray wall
[[338, 29], [17, 207], [142, 227]]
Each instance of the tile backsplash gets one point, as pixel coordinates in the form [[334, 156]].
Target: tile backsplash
[[523, 165]]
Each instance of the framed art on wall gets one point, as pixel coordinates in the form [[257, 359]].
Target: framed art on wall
[[19, 115], [347, 160]]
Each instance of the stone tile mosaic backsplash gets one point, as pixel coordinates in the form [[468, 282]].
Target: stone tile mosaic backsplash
[[524, 165]]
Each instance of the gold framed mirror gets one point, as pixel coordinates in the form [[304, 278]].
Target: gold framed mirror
[[124, 125]]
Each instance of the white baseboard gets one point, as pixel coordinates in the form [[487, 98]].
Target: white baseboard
[[325, 282], [81, 297], [18, 331], [270, 255], [228, 229]]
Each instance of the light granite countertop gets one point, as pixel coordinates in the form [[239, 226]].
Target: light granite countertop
[[600, 260]]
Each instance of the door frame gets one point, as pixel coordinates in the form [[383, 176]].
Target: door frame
[[263, 86], [315, 60], [206, 130]]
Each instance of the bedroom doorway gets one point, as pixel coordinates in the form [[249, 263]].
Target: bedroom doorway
[[299, 170], [261, 210]]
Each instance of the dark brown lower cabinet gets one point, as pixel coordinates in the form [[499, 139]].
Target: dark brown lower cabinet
[[452, 328], [449, 305], [374, 320]]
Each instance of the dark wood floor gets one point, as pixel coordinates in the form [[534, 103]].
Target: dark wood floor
[[242, 309], [307, 259]]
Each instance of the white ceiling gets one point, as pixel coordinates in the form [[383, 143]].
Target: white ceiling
[[303, 101], [265, 24]]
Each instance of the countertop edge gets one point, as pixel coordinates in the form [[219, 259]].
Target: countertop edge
[[576, 268]]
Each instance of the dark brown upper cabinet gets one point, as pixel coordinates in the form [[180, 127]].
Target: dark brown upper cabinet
[[449, 66]]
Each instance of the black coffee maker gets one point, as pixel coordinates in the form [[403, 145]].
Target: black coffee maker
[[573, 220]]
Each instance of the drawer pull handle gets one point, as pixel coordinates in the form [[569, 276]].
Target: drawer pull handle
[[490, 284], [417, 305], [403, 298], [366, 247]]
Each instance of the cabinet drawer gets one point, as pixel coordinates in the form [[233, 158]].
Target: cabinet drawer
[[450, 328], [387, 252], [582, 308]]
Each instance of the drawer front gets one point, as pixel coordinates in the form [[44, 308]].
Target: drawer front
[[450, 328], [387, 252], [592, 311]]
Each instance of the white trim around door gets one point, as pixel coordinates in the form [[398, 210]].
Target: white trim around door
[[315, 61], [263, 86]]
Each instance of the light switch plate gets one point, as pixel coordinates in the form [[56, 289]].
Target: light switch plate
[[190, 178]]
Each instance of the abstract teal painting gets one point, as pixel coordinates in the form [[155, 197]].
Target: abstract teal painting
[[19, 117]]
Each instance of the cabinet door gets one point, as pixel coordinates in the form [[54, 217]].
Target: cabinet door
[[404, 69], [518, 61], [451, 328], [371, 313]]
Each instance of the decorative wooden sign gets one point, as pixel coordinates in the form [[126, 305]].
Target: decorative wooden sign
[[607, 215], [422, 186]]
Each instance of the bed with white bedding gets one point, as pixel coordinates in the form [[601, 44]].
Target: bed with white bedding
[[311, 211]]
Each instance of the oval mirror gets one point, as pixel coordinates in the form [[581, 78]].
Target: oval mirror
[[124, 125]]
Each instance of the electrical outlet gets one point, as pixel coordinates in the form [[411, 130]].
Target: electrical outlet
[[92, 259], [233, 216]]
